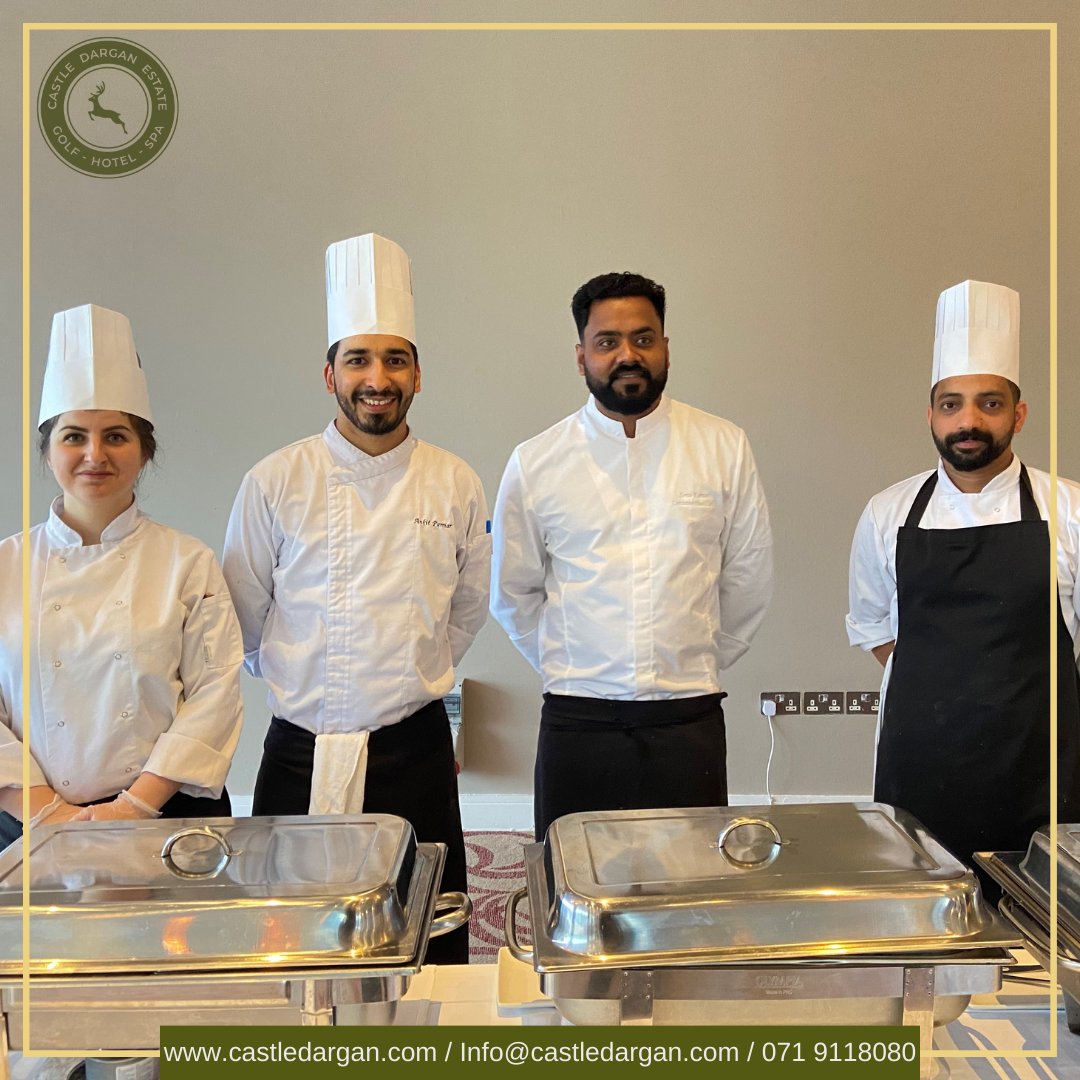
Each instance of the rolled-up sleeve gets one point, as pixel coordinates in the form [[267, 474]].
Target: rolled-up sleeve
[[871, 586], [198, 746], [11, 774], [518, 565]]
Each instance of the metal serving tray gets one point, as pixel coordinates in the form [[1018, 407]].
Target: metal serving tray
[[237, 894], [704, 886]]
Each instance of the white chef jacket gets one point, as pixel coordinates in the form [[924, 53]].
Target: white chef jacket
[[135, 662], [632, 568], [359, 581]]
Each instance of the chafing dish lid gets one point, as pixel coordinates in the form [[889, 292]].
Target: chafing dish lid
[[227, 892], [1034, 870], [822, 879]]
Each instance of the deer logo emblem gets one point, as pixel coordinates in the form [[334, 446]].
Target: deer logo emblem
[[105, 114], [142, 95]]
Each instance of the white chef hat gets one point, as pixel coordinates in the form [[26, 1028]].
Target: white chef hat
[[977, 332], [368, 289], [93, 364]]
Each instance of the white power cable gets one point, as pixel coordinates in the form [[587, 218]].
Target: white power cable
[[768, 710]]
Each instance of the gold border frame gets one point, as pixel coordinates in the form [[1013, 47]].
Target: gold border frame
[[464, 27]]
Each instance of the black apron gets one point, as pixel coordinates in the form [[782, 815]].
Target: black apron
[[965, 731], [602, 754]]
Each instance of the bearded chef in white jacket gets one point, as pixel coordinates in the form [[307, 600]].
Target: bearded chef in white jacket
[[632, 566], [358, 561], [135, 657], [949, 582]]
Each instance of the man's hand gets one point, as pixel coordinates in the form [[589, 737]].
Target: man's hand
[[883, 652]]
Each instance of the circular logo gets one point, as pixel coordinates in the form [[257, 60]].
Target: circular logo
[[107, 107]]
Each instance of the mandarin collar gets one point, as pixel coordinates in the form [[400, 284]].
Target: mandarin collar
[[1007, 478], [614, 429], [353, 460], [62, 535]]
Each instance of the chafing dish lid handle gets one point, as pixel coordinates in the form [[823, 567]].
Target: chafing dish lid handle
[[744, 855], [460, 909], [517, 950], [196, 830]]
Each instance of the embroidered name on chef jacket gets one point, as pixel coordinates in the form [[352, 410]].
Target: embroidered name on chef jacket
[[694, 498], [433, 523]]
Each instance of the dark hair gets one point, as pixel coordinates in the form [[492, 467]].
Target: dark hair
[[1013, 388], [142, 428], [611, 286], [332, 352]]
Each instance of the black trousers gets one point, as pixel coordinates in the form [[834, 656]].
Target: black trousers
[[179, 806], [598, 754], [410, 774]]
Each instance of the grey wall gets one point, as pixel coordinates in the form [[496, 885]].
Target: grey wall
[[803, 195]]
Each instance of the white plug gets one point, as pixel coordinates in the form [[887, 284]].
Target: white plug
[[768, 710]]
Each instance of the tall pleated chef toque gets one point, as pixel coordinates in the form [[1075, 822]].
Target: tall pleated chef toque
[[93, 364], [368, 289], [977, 332]]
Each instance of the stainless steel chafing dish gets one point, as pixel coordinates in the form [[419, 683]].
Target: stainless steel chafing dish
[[1025, 880], [247, 920], [826, 913]]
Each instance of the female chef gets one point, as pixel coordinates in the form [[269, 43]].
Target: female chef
[[135, 650]]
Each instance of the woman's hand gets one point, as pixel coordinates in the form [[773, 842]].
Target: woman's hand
[[56, 811], [122, 808]]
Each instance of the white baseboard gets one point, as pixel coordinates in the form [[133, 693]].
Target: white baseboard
[[780, 800], [514, 813], [497, 813]]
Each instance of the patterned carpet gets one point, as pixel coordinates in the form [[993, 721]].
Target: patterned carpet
[[496, 868]]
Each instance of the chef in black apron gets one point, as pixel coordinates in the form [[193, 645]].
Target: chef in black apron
[[964, 743]]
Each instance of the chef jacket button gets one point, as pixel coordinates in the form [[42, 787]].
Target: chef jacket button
[[56, 607], [59, 723], [119, 603], [124, 715], [66, 783], [118, 656], [122, 555], [129, 769], [997, 509], [56, 663]]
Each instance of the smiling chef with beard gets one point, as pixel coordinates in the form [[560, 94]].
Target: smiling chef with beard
[[358, 564], [949, 584]]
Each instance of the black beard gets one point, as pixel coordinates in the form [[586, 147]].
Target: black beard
[[971, 460], [382, 424], [624, 404]]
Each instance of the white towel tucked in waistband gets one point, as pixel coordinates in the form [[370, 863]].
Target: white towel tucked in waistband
[[340, 768]]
